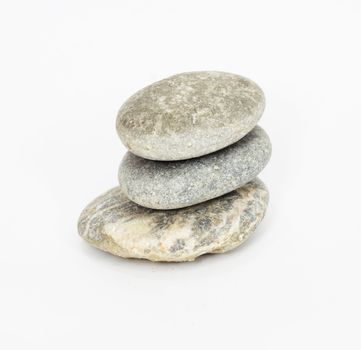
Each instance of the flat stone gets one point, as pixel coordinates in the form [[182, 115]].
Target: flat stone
[[117, 225], [189, 115], [170, 185]]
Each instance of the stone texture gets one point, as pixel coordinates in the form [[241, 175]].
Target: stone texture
[[189, 115], [117, 225], [170, 185]]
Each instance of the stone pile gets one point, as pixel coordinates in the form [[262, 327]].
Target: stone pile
[[188, 185]]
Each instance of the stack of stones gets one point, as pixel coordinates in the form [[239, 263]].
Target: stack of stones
[[188, 185]]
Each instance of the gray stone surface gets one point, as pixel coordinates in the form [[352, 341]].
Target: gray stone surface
[[170, 185], [189, 115], [117, 225]]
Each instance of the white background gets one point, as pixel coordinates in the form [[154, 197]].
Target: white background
[[66, 68]]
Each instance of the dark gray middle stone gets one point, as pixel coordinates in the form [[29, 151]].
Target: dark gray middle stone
[[171, 185]]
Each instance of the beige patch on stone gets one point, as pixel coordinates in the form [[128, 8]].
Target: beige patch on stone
[[115, 224]]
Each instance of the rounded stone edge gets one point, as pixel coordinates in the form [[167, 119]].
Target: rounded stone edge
[[106, 243], [237, 134], [149, 203]]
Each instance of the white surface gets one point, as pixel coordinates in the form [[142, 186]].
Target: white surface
[[67, 66]]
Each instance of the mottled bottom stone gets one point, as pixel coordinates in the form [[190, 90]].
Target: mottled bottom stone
[[117, 225]]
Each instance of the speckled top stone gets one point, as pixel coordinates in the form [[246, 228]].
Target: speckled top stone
[[117, 225], [170, 185], [189, 115]]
